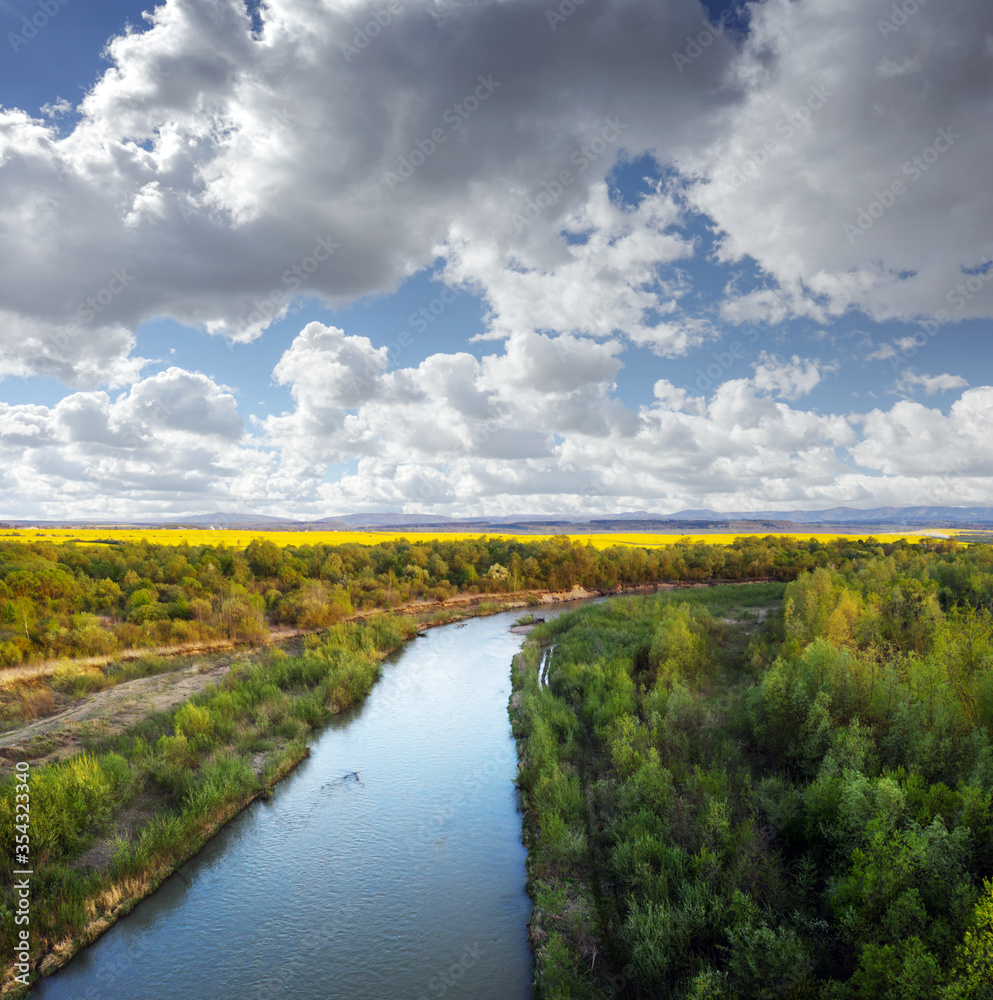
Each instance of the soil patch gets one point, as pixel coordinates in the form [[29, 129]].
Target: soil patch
[[106, 713]]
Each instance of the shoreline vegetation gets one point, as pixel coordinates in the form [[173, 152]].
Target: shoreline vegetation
[[131, 809], [110, 823], [779, 791]]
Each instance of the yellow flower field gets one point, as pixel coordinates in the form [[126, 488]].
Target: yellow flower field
[[240, 539]]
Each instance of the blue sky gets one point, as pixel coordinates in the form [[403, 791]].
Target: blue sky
[[728, 301]]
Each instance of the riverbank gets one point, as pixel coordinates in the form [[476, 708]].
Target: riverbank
[[724, 803], [152, 828], [56, 694], [108, 883], [591, 770], [109, 825], [386, 887]]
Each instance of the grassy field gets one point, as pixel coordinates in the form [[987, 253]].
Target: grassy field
[[240, 539]]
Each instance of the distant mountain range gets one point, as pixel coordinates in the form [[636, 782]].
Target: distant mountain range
[[936, 516], [833, 518]]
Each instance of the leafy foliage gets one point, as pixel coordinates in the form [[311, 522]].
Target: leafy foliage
[[799, 808], [75, 599]]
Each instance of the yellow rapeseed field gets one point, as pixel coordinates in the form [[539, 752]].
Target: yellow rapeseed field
[[240, 539]]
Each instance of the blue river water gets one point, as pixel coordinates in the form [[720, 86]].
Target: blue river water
[[387, 866]]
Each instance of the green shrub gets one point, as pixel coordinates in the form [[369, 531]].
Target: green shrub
[[68, 802], [176, 751], [195, 724]]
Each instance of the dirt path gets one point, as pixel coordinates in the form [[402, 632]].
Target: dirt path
[[38, 668], [106, 713]]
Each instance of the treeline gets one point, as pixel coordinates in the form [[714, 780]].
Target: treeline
[[78, 600], [797, 809]]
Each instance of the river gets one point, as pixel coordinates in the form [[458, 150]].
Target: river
[[387, 866]]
